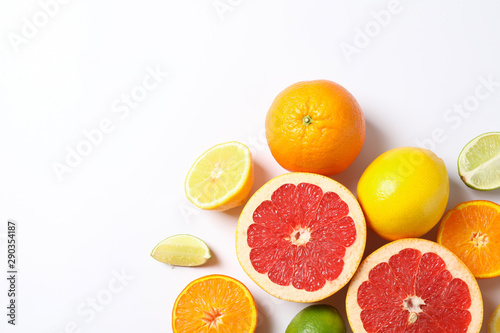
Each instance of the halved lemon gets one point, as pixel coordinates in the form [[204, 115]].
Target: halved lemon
[[182, 250], [221, 178], [479, 162]]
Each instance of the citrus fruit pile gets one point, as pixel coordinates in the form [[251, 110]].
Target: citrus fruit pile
[[301, 237]]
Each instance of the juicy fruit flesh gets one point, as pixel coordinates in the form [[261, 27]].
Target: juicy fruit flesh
[[217, 174], [472, 232], [479, 162], [300, 236], [182, 250], [414, 292], [215, 305]]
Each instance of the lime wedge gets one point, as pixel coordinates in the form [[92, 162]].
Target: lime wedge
[[182, 250], [479, 162]]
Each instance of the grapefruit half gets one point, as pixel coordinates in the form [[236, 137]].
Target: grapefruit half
[[301, 237], [414, 285]]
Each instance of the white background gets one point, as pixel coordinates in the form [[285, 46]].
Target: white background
[[225, 65]]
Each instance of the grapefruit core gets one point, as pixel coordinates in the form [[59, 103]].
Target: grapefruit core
[[301, 237], [414, 285]]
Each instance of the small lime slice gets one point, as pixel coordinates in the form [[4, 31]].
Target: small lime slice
[[182, 250], [479, 162]]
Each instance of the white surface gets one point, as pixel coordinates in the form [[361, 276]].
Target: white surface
[[224, 70]]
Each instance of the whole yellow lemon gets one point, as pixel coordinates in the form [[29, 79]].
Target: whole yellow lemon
[[404, 192]]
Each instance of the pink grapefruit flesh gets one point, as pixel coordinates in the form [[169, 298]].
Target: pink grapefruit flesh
[[301, 237], [414, 285]]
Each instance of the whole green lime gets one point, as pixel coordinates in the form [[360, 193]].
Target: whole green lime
[[317, 318]]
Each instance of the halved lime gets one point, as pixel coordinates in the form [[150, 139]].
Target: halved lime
[[182, 250], [479, 162]]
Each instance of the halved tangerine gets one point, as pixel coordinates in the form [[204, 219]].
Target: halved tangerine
[[301, 237], [414, 285], [471, 230], [215, 304]]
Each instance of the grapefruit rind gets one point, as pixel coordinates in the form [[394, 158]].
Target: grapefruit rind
[[453, 264], [352, 256]]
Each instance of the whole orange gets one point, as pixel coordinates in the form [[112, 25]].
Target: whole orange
[[315, 126]]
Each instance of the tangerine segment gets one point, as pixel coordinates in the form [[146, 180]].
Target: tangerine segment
[[216, 304], [300, 236], [472, 231]]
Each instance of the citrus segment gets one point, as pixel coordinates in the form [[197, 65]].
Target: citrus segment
[[315, 126], [471, 230], [413, 285], [479, 162], [221, 178], [214, 303], [301, 237], [182, 250]]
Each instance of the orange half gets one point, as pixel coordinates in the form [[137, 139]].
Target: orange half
[[471, 230], [215, 304]]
